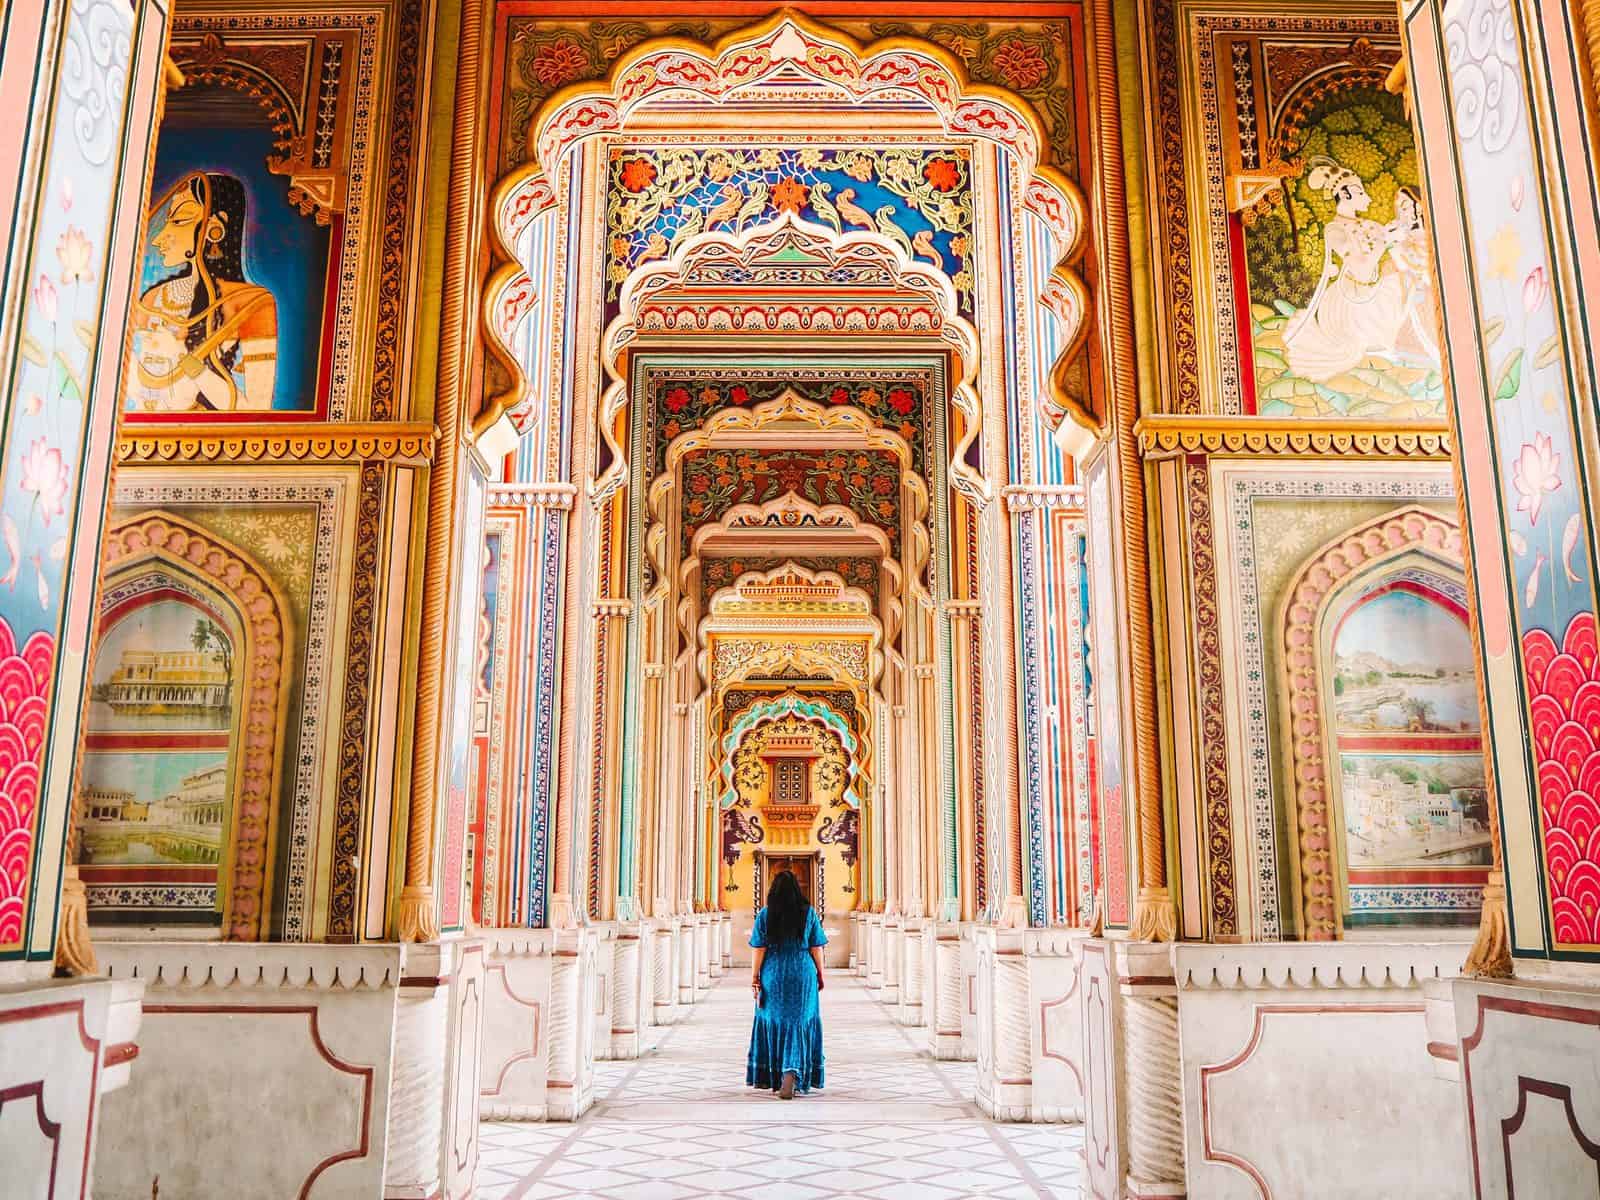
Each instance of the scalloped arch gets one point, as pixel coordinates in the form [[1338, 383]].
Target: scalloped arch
[[791, 704], [786, 43]]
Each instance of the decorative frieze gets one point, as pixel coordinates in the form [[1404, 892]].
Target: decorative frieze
[[1165, 435], [405, 442], [534, 495]]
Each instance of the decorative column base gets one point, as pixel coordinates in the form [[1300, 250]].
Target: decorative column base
[[1133, 1131], [703, 931], [515, 1064], [913, 936], [719, 953], [1527, 1050], [945, 993], [1054, 958], [875, 954], [856, 963], [969, 992], [685, 961], [631, 994], [893, 935], [605, 967], [573, 980], [64, 1044], [1256, 1022], [664, 971], [726, 939], [1005, 1086]]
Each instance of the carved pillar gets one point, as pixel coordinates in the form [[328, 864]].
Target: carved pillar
[[945, 993], [1001, 1000], [911, 1007], [972, 818], [572, 1002], [628, 997], [663, 971], [874, 960]]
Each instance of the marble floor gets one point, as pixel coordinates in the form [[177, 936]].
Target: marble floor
[[678, 1123]]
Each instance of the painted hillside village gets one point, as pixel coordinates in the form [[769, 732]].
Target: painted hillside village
[[1407, 803]]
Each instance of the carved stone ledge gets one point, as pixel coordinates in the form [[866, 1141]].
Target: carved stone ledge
[[1325, 965], [286, 442], [518, 943], [534, 495], [1165, 435], [302, 966], [1028, 497]]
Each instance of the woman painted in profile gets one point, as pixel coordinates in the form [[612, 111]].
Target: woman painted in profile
[[205, 337], [786, 978]]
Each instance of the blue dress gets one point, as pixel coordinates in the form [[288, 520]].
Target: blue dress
[[788, 1028]]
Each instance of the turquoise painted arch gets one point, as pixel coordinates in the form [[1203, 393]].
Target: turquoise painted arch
[[817, 711]]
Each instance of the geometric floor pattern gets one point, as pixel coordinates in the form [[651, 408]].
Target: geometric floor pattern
[[678, 1122]]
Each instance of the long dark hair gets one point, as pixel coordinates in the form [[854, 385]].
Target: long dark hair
[[786, 909], [216, 260]]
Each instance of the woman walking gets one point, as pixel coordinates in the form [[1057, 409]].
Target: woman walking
[[786, 977]]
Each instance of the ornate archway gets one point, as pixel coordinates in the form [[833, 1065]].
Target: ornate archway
[[792, 47]]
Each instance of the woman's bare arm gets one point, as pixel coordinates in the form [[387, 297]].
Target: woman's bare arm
[[816, 957], [756, 960]]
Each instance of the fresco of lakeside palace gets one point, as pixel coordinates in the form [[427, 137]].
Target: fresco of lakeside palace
[[1410, 758]]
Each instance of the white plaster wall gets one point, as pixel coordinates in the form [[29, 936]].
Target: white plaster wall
[[242, 1041], [1530, 1057], [1055, 1023], [515, 1056], [1105, 1154], [1306, 1071], [63, 1045], [605, 966]]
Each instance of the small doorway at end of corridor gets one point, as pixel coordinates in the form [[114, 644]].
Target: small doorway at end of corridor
[[807, 869]]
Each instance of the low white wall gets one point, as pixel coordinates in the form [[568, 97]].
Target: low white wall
[[264, 1063], [64, 1043], [1055, 1023], [1529, 1051], [515, 1061], [1306, 1071]]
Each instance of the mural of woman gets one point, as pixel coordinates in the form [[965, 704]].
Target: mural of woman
[[205, 337], [1361, 301], [1413, 256]]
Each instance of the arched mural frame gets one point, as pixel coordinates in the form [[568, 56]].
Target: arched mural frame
[[263, 617], [1320, 579]]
